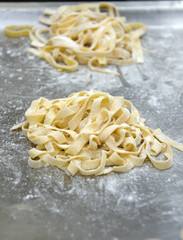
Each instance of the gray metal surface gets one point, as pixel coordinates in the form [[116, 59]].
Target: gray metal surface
[[46, 203]]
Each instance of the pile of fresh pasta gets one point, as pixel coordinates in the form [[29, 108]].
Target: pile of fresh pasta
[[90, 34], [93, 133]]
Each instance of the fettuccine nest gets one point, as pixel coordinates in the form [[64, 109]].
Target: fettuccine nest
[[84, 34], [93, 133]]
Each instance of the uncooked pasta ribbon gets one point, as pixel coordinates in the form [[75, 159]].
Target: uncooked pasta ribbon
[[91, 34], [93, 133]]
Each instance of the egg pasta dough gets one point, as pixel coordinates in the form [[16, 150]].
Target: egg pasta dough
[[93, 133], [88, 34]]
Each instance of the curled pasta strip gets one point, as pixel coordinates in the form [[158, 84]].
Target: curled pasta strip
[[93, 133], [91, 34], [18, 31]]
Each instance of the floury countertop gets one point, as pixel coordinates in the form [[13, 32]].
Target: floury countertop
[[48, 204]]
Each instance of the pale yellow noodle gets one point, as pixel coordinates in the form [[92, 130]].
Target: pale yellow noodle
[[84, 34], [93, 133]]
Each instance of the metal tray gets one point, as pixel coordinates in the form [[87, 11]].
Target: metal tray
[[48, 204]]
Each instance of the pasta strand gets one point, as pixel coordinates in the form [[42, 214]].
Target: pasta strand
[[91, 34], [93, 133]]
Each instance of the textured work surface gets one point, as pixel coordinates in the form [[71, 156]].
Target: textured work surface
[[46, 203]]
